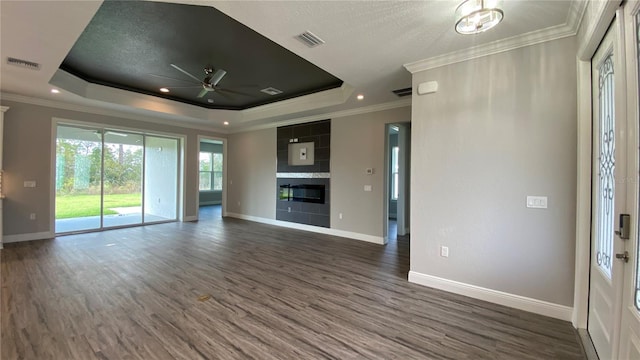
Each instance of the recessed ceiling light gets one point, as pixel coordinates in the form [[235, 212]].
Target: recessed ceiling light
[[225, 123], [360, 97], [164, 90], [210, 101], [55, 91]]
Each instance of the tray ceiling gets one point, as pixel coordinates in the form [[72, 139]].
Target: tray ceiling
[[130, 45]]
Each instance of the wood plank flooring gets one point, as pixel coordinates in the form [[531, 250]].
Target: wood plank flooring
[[275, 293]]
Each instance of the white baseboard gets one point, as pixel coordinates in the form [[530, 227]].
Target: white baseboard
[[189, 218], [317, 229], [215, 202], [6, 239], [545, 308]]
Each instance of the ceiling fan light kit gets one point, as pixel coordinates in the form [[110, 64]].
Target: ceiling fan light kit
[[476, 16]]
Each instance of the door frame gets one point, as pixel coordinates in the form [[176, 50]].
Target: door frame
[[630, 322], [182, 146], [224, 173], [595, 32], [402, 211]]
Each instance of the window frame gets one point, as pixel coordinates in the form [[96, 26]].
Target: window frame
[[211, 173], [395, 171]]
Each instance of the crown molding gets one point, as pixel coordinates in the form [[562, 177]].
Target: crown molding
[[4, 108], [330, 115], [125, 115], [106, 112], [189, 112], [577, 10], [569, 28]]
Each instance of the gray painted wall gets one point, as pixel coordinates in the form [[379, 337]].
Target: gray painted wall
[[27, 156], [210, 197], [357, 143], [251, 173], [499, 128]]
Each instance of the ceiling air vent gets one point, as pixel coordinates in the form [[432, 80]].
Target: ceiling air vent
[[23, 63], [310, 39], [403, 92], [271, 91]]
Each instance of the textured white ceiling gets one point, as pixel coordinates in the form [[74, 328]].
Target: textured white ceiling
[[367, 44]]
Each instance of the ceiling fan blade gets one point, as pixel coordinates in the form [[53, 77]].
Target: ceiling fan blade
[[217, 76], [186, 73], [233, 92], [170, 78], [202, 93]]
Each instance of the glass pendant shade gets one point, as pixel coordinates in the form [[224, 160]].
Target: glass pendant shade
[[476, 16]]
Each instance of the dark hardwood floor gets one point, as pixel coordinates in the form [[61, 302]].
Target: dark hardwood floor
[[227, 289]]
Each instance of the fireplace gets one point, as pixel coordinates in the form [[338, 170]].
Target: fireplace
[[309, 193]]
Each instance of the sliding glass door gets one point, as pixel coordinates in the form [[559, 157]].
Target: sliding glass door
[[160, 179], [78, 179], [122, 194], [110, 178]]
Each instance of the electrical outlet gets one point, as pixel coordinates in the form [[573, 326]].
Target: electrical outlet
[[444, 251], [340, 216], [288, 209], [32, 216]]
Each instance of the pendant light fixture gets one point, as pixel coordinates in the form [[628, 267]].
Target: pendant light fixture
[[476, 16]]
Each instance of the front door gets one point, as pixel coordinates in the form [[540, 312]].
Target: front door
[[630, 331], [609, 194]]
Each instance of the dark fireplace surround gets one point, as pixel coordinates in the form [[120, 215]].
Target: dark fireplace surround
[[304, 199]]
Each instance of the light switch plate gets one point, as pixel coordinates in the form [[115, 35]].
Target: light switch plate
[[444, 251], [367, 188], [30, 184], [537, 202]]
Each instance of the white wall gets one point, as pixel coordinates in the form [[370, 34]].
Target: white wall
[[499, 128]]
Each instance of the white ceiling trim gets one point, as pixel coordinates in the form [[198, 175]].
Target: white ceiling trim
[[570, 28], [302, 103], [331, 115], [88, 90], [106, 112], [126, 115]]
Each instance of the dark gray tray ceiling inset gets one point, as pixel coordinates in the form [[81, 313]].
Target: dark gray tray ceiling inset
[[128, 40]]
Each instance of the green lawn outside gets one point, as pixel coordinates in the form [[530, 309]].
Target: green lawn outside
[[71, 206]]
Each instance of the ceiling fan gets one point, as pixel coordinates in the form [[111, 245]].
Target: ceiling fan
[[208, 84]]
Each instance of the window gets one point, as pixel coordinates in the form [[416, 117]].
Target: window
[[394, 172], [210, 171]]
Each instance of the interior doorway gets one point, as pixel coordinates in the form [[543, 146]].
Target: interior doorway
[[212, 177], [397, 169]]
